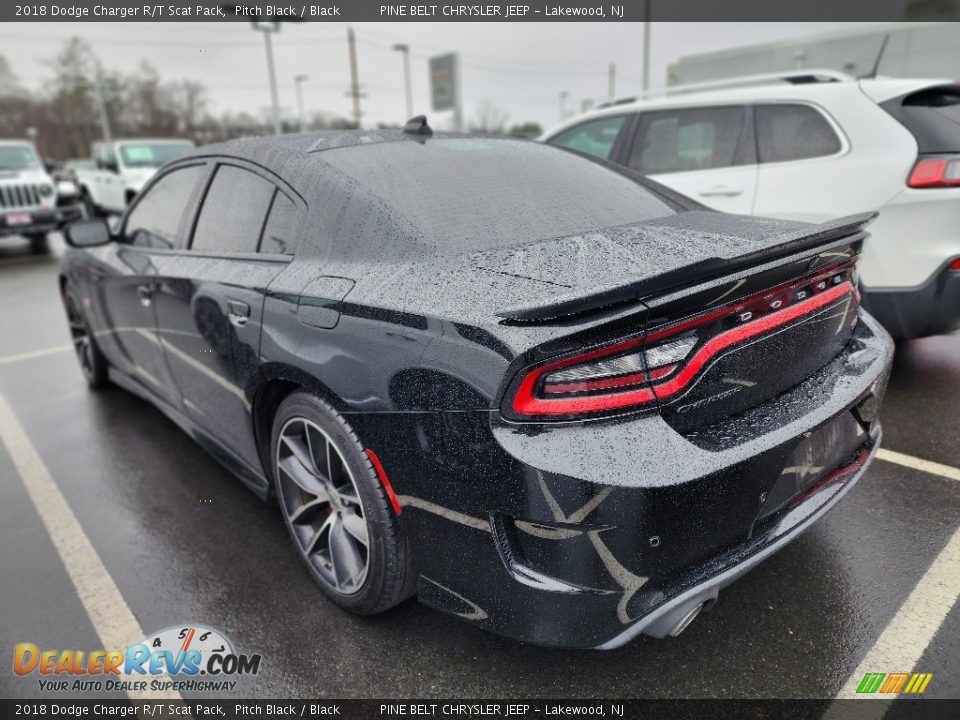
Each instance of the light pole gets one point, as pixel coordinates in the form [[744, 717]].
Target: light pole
[[563, 104], [298, 81], [646, 48], [405, 49], [268, 28]]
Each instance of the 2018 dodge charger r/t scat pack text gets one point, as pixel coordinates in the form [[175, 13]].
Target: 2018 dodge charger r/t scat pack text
[[540, 393]]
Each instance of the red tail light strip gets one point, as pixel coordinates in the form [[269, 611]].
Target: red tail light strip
[[526, 403]]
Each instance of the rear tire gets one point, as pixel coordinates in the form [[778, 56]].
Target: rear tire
[[39, 243], [93, 364], [336, 510]]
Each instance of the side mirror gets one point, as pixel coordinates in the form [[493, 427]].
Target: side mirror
[[111, 165], [88, 233]]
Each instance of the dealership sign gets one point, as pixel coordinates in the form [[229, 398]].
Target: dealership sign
[[444, 70]]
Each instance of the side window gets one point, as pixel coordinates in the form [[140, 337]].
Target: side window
[[594, 137], [279, 234], [233, 211], [684, 140], [155, 219], [793, 132]]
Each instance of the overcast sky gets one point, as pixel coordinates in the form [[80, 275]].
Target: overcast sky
[[520, 67]]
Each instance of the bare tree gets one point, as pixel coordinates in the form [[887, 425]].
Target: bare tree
[[489, 119]]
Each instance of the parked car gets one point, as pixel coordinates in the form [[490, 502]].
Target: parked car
[[121, 169], [813, 146], [545, 395], [31, 203]]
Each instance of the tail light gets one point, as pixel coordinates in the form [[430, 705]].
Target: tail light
[[635, 373], [955, 265], [936, 172]]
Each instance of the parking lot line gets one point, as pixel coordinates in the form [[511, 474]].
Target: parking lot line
[[109, 613], [18, 357], [916, 463], [909, 632]]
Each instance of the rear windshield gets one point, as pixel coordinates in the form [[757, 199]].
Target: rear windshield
[[932, 116], [480, 193]]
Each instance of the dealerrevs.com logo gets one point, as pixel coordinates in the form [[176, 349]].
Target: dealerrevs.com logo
[[180, 658]]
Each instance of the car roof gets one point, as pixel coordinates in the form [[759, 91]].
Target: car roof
[[879, 89]]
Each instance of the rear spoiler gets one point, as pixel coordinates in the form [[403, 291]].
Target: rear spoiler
[[571, 304]]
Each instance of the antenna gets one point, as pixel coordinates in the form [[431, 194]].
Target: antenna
[[876, 63]]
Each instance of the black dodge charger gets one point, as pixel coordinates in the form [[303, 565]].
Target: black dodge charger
[[538, 392]]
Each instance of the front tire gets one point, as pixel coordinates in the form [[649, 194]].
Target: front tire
[[336, 510], [93, 364]]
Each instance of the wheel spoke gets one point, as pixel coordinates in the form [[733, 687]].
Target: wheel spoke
[[348, 496], [301, 477], [327, 526], [305, 512], [356, 526], [300, 450], [345, 556], [319, 452]]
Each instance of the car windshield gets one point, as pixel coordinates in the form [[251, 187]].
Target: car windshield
[[481, 193], [152, 154], [79, 164], [17, 157]]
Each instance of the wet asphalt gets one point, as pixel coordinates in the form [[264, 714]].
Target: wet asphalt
[[186, 543]]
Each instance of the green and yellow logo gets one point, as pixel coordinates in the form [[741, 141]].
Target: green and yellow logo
[[893, 683]]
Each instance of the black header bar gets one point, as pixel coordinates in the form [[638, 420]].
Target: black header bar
[[479, 11]]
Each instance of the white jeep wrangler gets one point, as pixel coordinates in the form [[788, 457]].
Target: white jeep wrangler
[[32, 204], [122, 168]]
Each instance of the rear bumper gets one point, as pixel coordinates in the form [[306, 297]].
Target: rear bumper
[[587, 534], [932, 308], [42, 221]]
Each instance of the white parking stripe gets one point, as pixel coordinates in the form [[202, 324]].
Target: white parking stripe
[[34, 354], [909, 632], [916, 463], [109, 613]]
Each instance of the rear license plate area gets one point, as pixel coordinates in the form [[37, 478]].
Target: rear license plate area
[[820, 453]]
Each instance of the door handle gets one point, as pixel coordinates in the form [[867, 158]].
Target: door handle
[[722, 191], [146, 294], [238, 312]]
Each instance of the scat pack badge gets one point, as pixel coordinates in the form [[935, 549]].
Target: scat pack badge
[[173, 659]]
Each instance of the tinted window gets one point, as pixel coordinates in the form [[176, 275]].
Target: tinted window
[[156, 217], [594, 138], [279, 234], [684, 140], [793, 132], [480, 193], [233, 212], [932, 116]]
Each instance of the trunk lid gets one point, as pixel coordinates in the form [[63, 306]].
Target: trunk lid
[[731, 311]]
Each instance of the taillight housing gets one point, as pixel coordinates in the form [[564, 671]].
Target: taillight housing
[[635, 373], [935, 172]]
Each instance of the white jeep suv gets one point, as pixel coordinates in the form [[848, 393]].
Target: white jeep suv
[[32, 204], [813, 146]]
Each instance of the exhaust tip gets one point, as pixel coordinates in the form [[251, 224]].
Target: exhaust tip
[[686, 620]]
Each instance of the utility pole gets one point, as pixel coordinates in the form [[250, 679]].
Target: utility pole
[[646, 47], [298, 82], [612, 82], [354, 84], [405, 49], [563, 104], [102, 104], [268, 28]]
